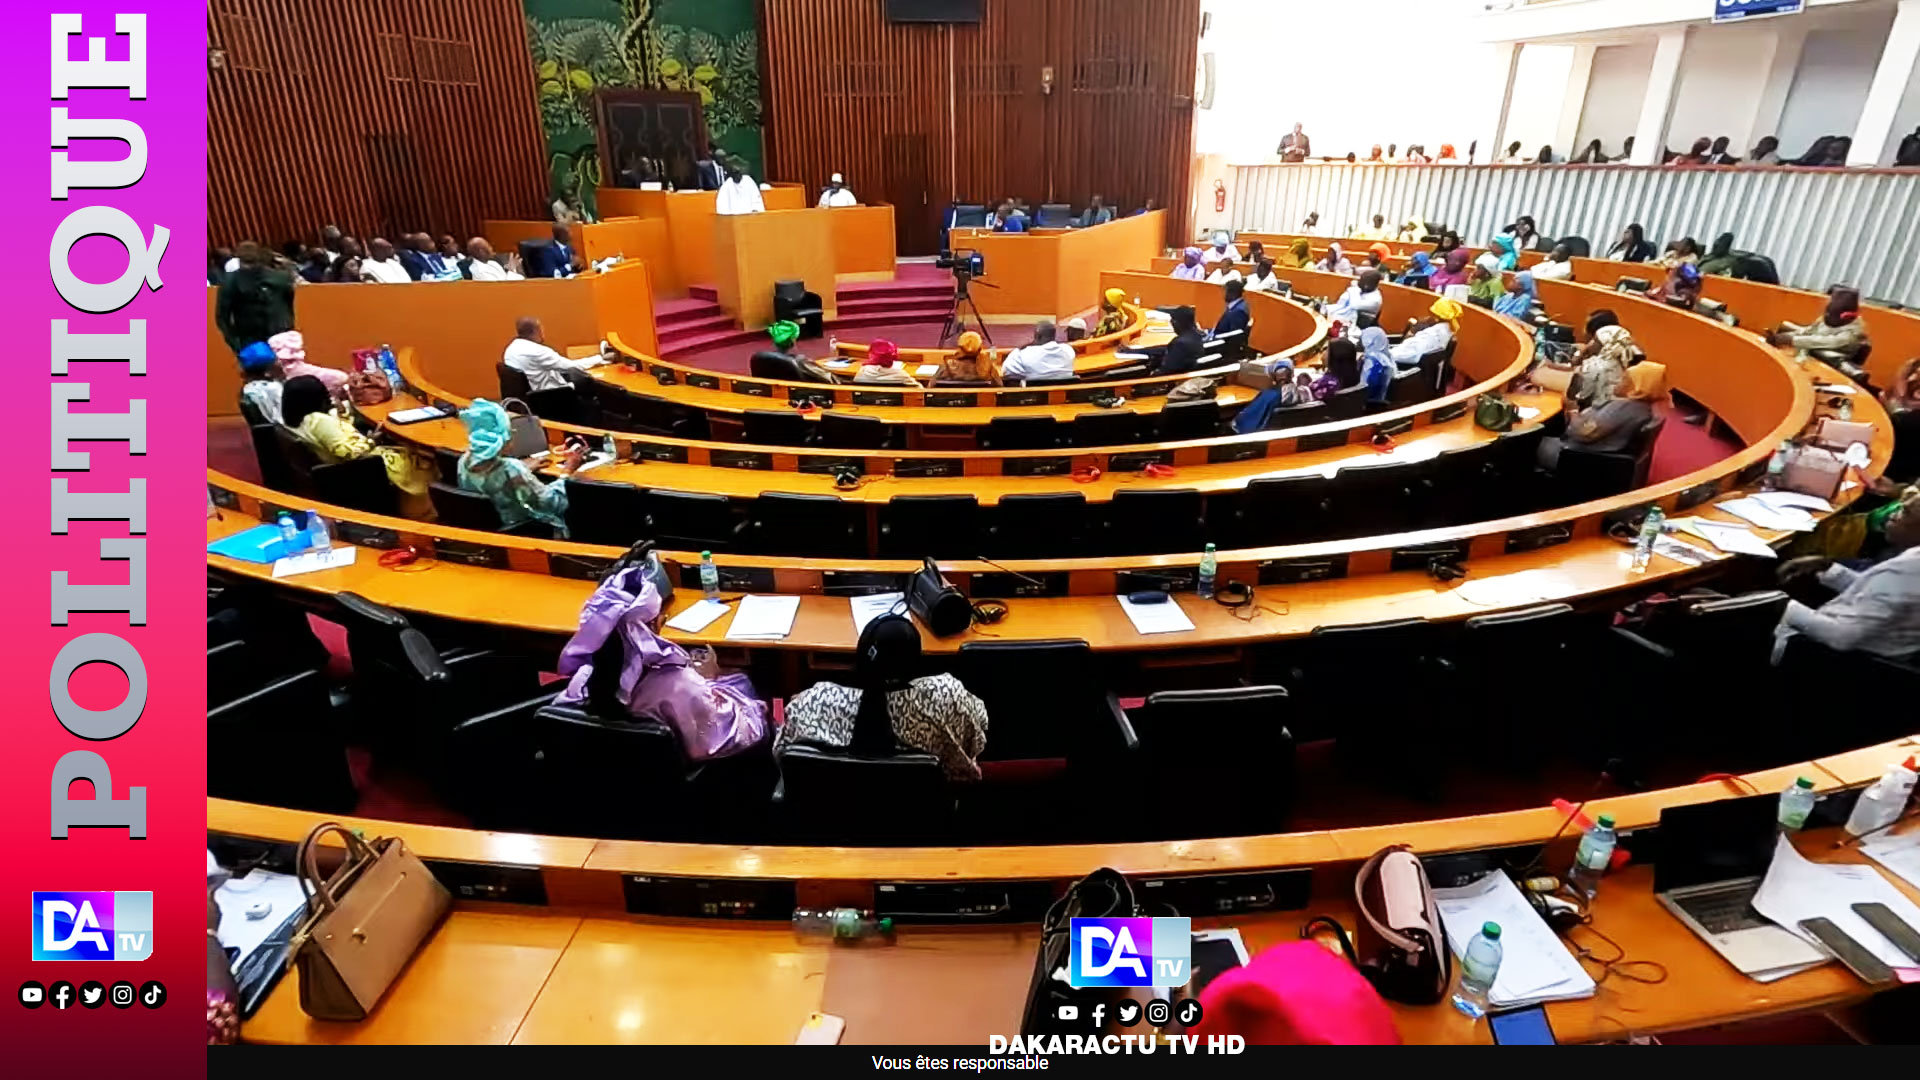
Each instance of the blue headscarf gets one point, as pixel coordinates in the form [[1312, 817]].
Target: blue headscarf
[[1517, 304], [1257, 412], [257, 358], [1508, 249], [488, 429], [1378, 367], [1420, 268]]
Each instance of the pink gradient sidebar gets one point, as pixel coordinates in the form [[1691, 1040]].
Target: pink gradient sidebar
[[165, 751]]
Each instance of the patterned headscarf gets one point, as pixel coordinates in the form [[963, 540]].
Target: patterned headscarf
[[784, 334], [488, 429]]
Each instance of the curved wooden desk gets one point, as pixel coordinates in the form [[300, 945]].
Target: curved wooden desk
[[583, 968]]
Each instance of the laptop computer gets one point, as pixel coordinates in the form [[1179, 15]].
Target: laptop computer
[[1712, 859]]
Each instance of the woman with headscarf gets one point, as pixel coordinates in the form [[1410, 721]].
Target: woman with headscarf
[[1361, 298], [309, 412], [1506, 248], [1298, 256], [617, 663], [1720, 259], [888, 709], [1431, 334], [1182, 354], [1263, 279], [1484, 282], [882, 366], [1113, 313], [1452, 271], [1221, 251], [1335, 262], [1840, 329], [1600, 364], [1377, 255], [1613, 425], [1520, 298], [1190, 268], [1682, 287], [1285, 393], [1632, 246], [1343, 369], [517, 495], [785, 334], [265, 381], [1419, 271], [1377, 366], [290, 348], [1447, 156], [969, 364]]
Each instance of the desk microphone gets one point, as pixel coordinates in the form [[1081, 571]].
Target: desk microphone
[[1023, 577]]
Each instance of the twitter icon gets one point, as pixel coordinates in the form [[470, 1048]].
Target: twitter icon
[[92, 994], [1128, 1013]]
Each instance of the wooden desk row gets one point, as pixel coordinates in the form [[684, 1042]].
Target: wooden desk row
[[584, 969]]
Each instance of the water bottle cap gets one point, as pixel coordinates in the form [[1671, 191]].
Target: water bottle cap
[[1209, 547], [706, 554], [886, 925], [1490, 930], [1803, 782], [1606, 821]]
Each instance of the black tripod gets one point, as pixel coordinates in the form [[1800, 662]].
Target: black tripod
[[956, 323]]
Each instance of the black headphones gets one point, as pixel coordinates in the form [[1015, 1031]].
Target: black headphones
[[1233, 594], [846, 479], [988, 612]]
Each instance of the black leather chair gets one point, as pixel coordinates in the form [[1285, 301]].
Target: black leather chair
[[1281, 510], [1579, 246], [1715, 655], [1382, 496], [1054, 216], [1047, 700], [1905, 463], [969, 216], [599, 512], [613, 405], [663, 417], [840, 797], [612, 776], [1250, 791], [1189, 420], [360, 484], [693, 521], [1584, 475], [1814, 671], [1460, 484], [847, 431], [1119, 374], [776, 427], [817, 526], [767, 364], [1436, 368], [1512, 469], [1369, 681], [1155, 521], [298, 459], [1036, 526], [1408, 388], [1348, 404], [513, 384], [274, 472], [1488, 650], [1119, 427], [1020, 433], [943, 526], [793, 303], [1305, 414], [462, 509], [280, 743]]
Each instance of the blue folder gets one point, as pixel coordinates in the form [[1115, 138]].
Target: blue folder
[[260, 544]]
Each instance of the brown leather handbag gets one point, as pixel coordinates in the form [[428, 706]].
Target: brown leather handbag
[[362, 924], [1399, 942], [369, 388]]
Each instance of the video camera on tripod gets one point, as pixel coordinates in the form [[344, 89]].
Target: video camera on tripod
[[965, 264]]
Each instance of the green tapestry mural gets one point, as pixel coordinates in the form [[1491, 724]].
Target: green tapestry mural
[[709, 47]]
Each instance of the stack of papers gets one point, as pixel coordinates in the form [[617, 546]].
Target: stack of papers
[[1162, 618], [309, 561], [868, 608], [1769, 515], [763, 618], [1534, 965], [1686, 554], [1900, 854], [1783, 500], [1730, 537], [927, 371], [698, 617], [1796, 888]]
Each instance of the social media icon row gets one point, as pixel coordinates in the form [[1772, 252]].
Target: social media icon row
[[92, 995], [1157, 1013]]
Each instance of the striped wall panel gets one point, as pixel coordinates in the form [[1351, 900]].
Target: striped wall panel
[[383, 116], [1820, 226]]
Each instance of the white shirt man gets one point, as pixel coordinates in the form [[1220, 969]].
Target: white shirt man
[[385, 271], [739, 195], [544, 368], [488, 270], [1353, 303], [1877, 611], [837, 193], [1044, 360], [1421, 342]]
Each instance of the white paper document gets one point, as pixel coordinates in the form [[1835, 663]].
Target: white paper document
[[308, 562], [1900, 854], [927, 371], [1731, 538], [1686, 554], [868, 608], [1166, 618], [764, 618], [1784, 519], [1534, 964], [279, 893], [1519, 587], [1526, 412], [698, 617], [1796, 888], [1835, 388], [1781, 500]]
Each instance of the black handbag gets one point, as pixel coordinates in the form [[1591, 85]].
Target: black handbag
[[938, 604], [1105, 893]]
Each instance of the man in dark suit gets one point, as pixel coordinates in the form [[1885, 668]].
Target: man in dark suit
[[413, 254], [712, 171], [554, 259]]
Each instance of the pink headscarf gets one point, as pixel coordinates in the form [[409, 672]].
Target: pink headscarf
[[1296, 994], [882, 353], [290, 348]]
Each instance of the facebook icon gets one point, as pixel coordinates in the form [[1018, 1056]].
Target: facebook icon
[[92, 925], [1129, 952]]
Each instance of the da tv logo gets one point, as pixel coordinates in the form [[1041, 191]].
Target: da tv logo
[[92, 925], [1130, 952]]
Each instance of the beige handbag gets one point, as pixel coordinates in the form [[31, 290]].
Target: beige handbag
[[363, 923]]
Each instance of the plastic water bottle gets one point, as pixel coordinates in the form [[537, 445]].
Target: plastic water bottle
[[391, 368], [1777, 465], [1477, 970], [319, 537], [1209, 566], [289, 532], [709, 576], [840, 924], [1796, 803], [1846, 409], [1595, 854], [1650, 529]]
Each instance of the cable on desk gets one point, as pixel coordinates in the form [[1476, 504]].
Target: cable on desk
[[1730, 779], [1647, 972]]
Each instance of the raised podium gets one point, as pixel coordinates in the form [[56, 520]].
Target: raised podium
[[753, 251]]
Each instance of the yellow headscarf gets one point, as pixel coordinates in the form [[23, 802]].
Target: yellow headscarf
[[970, 342], [1447, 311], [1114, 297], [1646, 381], [1301, 253]]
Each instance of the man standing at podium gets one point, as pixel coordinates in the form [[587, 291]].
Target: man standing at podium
[[836, 193], [738, 194]]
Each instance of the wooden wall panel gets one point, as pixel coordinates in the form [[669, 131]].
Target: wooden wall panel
[[381, 116], [965, 106]]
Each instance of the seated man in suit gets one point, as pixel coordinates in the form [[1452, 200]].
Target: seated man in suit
[[1235, 320], [554, 260], [412, 245]]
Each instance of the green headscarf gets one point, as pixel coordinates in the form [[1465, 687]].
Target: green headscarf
[[784, 334], [488, 429]]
